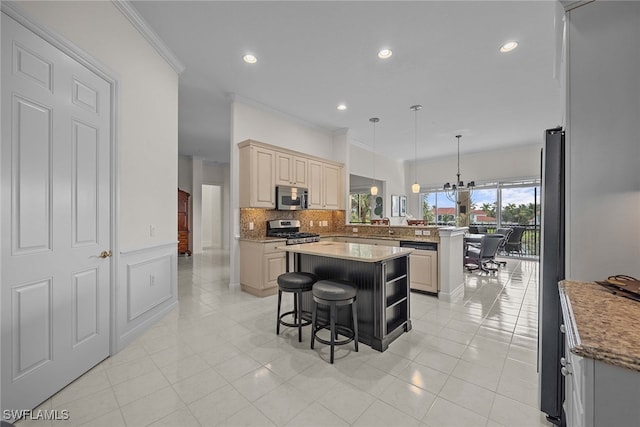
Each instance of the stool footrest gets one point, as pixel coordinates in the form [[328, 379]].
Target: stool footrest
[[347, 332], [295, 325]]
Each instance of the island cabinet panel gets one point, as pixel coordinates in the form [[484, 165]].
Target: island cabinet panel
[[382, 298]]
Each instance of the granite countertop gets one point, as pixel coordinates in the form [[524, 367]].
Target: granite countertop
[[600, 325], [350, 251], [264, 239], [392, 238]]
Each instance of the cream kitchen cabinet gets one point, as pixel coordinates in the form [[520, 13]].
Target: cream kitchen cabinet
[[260, 265], [257, 176], [291, 170], [423, 270], [263, 166], [325, 185]]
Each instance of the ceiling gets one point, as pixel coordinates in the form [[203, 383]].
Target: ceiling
[[313, 56]]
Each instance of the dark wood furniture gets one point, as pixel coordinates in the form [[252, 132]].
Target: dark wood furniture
[[183, 222]]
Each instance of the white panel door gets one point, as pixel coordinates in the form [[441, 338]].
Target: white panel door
[[55, 198]]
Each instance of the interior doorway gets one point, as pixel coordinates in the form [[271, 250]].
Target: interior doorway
[[211, 223]]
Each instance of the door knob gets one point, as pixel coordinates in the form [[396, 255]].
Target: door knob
[[105, 254]]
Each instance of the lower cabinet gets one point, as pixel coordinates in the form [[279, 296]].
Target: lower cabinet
[[260, 266], [599, 394], [423, 270]]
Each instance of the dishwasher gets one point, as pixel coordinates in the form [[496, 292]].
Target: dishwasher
[[423, 266]]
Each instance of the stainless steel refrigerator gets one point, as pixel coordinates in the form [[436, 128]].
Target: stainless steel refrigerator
[[552, 270]]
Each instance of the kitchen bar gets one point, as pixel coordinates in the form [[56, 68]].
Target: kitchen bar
[[380, 274]]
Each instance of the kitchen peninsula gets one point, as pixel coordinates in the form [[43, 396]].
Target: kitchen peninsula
[[380, 274]]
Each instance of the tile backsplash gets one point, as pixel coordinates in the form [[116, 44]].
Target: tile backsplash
[[335, 224], [259, 218]]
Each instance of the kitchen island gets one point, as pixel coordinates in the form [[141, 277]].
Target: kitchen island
[[380, 274]]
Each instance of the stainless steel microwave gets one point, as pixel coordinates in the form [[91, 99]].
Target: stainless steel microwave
[[291, 198]]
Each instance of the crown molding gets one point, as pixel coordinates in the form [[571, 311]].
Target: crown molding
[[126, 8]]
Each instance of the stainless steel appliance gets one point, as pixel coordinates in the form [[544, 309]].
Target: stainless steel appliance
[[291, 198], [552, 270], [290, 230]]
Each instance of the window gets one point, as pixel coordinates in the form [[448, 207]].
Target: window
[[520, 205], [437, 208], [484, 203], [513, 203], [360, 208]]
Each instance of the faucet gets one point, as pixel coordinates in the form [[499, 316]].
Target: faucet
[[388, 224]]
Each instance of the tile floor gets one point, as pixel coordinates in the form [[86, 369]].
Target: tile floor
[[216, 360]]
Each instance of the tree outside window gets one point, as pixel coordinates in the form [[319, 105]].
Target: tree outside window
[[360, 208]]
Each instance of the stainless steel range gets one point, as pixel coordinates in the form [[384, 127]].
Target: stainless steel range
[[290, 230]]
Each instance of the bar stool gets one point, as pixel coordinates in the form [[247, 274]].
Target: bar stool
[[334, 293], [297, 283]]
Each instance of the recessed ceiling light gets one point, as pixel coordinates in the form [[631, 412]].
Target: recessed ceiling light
[[385, 54], [342, 107], [508, 47], [250, 59]]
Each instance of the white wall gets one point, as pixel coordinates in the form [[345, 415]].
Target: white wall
[[147, 121], [185, 173], [211, 216], [603, 140], [204, 173], [277, 129], [218, 176]]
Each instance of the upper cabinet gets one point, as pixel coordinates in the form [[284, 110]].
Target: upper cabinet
[[291, 170], [257, 177], [325, 185], [263, 167]]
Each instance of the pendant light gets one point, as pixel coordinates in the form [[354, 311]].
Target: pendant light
[[374, 189], [415, 187]]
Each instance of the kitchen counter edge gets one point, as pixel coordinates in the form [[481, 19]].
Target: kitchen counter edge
[[597, 324]]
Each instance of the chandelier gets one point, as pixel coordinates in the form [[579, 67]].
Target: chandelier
[[452, 191]]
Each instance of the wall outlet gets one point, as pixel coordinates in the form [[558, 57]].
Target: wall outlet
[[250, 226], [311, 223], [418, 232], [354, 229], [152, 230], [325, 223], [426, 233]]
